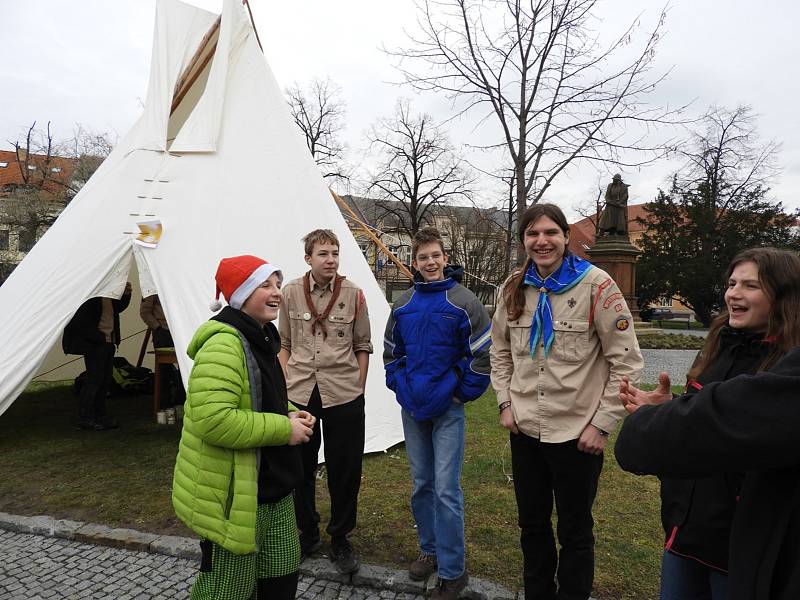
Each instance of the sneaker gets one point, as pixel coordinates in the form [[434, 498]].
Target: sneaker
[[449, 589], [344, 557], [423, 567]]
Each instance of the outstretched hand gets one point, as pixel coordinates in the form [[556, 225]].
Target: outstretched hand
[[632, 397]]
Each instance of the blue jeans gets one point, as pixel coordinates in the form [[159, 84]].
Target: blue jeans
[[435, 450], [686, 579]]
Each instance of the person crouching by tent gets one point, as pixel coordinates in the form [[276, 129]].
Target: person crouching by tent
[[152, 314], [237, 463], [94, 332]]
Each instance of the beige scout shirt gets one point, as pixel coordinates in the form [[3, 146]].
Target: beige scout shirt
[[553, 399], [106, 323], [152, 313], [331, 362]]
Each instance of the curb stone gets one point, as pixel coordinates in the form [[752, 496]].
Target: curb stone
[[370, 576]]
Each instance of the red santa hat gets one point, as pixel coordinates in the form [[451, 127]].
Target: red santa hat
[[238, 276]]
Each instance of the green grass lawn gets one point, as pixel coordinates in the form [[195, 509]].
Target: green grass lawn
[[123, 477]]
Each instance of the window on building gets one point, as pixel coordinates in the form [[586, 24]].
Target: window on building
[[26, 239], [665, 301], [364, 247], [55, 170], [3, 165], [3, 239]]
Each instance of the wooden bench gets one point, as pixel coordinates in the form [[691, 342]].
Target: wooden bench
[[678, 317]]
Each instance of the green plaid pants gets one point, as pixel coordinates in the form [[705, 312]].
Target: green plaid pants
[[227, 576]]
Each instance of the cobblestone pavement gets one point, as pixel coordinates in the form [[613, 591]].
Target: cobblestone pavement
[[34, 567], [675, 362]]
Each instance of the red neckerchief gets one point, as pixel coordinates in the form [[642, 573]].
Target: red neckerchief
[[317, 319]]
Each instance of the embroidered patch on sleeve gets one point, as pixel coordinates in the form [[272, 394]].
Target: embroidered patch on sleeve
[[615, 296], [622, 323]]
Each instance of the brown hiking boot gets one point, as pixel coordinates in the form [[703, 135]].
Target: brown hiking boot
[[423, 567], [449, 589]]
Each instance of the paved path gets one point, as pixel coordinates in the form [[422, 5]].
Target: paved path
[[34, 567]]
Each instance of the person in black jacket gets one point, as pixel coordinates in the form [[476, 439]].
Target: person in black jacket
[[722, 428], [94, 332]]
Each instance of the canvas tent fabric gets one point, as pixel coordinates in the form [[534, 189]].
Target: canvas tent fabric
[[226, 173]]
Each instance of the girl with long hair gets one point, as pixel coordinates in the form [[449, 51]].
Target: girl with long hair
[[757, 326]]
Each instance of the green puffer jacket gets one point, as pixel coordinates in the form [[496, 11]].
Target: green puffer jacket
[[215, 486]]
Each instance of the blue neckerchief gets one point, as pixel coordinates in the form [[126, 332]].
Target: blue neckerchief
[[567, 276]]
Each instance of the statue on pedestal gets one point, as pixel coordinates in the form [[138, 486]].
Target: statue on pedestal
[[614, 220]]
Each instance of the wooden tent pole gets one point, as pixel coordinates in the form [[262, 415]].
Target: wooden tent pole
[[143, 349], [189, 75], [253, 23], [371, 235]]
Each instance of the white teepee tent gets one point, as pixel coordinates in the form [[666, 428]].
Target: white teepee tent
[[217, 159]]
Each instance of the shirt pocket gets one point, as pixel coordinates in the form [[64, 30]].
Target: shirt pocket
[[297, 325], [340, 329], [519, 333], [571, 343]]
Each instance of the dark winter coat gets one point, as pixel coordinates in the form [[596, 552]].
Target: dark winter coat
[[81, 334], [697, 513], [749, 424]]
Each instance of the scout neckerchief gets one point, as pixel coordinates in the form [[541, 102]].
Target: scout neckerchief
[[567, 276], [317, 319]]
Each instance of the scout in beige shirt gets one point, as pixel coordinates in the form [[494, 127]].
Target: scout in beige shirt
[[326, 343], [562, 340]]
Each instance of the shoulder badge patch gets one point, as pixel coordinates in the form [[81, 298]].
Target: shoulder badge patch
[[571, 302], [622, 323]]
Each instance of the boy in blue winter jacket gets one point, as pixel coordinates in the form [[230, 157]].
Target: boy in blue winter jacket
[[436, 355]]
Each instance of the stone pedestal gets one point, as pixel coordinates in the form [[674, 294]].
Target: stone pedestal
[[617, 256]]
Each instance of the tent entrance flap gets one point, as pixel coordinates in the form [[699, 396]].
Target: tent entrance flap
[[192, 82]]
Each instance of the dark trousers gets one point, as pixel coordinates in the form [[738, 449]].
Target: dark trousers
[[343, 427], [542, 471], [99, 362], [172, 391]]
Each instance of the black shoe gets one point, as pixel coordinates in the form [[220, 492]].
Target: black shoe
[[108, 422], [344, 557], [96, 425], [449, 589]]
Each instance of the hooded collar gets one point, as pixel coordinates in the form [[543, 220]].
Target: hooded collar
[[452, 276]]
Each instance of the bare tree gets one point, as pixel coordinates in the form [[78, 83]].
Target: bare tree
[[50, 174], [476, 240], [417, 170], [58, 169], [592, 208], [318, 111], [719, 202], [537, 66]]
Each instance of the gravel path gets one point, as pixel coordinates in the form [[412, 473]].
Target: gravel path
[[675, 362]]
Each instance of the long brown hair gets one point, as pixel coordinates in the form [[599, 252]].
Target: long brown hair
[[514, 290], [779, 276]]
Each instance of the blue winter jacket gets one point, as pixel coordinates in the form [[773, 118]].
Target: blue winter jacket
[[436, 346]]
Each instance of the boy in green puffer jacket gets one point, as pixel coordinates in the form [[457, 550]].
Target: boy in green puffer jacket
[[237, 463]]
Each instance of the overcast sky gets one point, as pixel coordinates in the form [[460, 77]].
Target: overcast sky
[[87, 62]]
